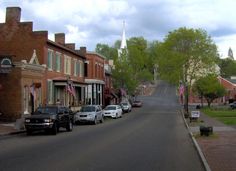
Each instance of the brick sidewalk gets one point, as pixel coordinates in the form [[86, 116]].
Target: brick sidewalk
[[220, 151]]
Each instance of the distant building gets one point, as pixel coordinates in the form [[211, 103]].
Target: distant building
[[230, 54]]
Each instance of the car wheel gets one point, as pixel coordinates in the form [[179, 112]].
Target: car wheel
[[54, 129], [69, 126], [102, 120], [116, 115], [28, 131], [95, 121]]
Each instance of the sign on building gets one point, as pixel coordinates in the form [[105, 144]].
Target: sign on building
[[5, 64]]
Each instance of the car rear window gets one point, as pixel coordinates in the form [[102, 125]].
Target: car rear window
[[110, 108], [88, 109]]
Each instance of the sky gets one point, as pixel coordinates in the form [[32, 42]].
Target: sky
[[88, 22]]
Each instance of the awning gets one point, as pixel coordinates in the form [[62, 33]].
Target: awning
[[114, 95]]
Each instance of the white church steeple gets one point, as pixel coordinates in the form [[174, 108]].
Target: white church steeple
[[123, 41], [123, 45]]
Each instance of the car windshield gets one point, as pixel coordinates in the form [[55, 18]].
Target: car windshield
[[124, 104], [88, 109], [110, 108], [46, 110]]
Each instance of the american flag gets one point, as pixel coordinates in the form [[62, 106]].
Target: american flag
[[181, 90], [70, 88]]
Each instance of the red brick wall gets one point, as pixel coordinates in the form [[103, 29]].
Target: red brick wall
[[93, 72]]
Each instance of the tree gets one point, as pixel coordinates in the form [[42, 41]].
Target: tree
[[187, 54], [138, 59], [209, 87], [123, 73], [228, 67], [106, 51]]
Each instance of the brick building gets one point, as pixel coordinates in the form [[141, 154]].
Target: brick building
[[43, 71], [110, 96], [230, 86], [95, 79]]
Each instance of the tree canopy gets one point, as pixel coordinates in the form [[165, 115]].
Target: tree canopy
[[185, 53], [209, 87]]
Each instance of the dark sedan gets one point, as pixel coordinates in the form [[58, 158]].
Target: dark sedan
[[137, 103]]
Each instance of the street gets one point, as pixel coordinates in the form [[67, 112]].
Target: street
[[152, 137]]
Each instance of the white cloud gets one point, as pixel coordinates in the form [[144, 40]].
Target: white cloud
[[89, 22], [224, 43]]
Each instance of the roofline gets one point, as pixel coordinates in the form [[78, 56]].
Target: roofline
[[227, 81], [65, 48], [95, 53]]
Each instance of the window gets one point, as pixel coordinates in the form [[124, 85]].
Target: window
[[50, 59], [58, 62], [81, 69], [67, 65], [50, 91], [76, 68]]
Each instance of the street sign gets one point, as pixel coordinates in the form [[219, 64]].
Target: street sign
[[195, 114]]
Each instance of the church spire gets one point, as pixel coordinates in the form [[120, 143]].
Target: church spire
[[123, 45], [230, 54], [123, 41]]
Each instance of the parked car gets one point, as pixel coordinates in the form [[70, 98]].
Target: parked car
[[49, 118], [89, 113], [126, 106], [137, 103], [114, 111], [233, 105]]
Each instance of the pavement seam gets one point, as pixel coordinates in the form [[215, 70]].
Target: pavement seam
[[200, 153]]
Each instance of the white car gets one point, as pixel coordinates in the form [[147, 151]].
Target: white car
[[126, 106], [114, 111], [89, 113]]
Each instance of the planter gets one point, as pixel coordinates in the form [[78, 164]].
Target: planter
[[206, 130]]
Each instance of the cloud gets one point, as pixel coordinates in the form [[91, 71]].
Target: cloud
[[100, 21]]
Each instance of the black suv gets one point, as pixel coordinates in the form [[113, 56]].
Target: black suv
[[49, 118]]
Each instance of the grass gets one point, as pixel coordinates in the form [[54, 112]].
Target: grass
[[227, 116]]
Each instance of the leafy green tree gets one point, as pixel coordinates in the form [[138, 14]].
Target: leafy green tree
[[209, 87], [227, 67], [123, 73], [186, 52], [106, 51], [138, 59]]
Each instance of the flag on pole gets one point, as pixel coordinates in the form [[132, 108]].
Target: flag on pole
[[181, 90], [70, 88]]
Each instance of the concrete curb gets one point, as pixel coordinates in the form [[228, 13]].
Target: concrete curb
[[13, 133], [200, 153]]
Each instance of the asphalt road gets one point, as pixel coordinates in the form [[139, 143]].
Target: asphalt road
[[149, 138]]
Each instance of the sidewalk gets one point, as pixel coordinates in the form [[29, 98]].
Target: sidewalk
[[219, 149], [9, 129]]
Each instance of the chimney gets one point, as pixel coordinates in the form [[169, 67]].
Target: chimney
[[13, 14], [70, 45], [60, 38], [83, 51]]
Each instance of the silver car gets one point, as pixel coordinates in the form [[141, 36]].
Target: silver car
[[89, 113]]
